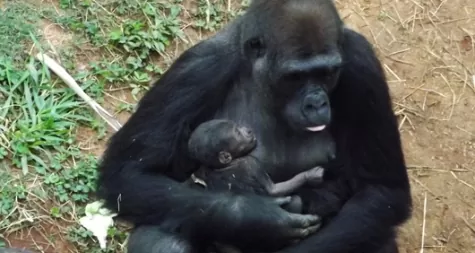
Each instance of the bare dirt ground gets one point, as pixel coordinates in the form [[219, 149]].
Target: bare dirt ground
[[427, 48], [428, 51]]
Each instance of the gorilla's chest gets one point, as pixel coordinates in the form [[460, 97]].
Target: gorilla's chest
[[283, 156], [280, 152]]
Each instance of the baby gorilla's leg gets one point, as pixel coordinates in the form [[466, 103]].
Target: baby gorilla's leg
[[151, 239], [314, 175]]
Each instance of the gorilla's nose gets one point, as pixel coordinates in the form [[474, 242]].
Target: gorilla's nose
[[315, 107]]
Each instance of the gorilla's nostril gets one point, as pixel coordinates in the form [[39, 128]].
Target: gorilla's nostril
[[315, 106], [309, 107]]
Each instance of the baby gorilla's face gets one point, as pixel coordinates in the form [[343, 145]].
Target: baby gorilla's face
[[240, 141], [244, 141]]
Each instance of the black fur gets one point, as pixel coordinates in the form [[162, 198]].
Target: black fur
[[366, 190], [239, 174], [216, 143]]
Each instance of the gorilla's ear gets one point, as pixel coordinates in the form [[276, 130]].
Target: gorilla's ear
[[225, 157]]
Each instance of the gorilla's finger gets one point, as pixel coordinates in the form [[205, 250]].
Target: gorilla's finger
[[283, 200], [297, 234], [314, 229], [304, 221]]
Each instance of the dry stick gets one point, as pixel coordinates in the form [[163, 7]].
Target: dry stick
[[208, 12], [68, 79], [424, 223], [462, 181], [468, 224], [424, 186]]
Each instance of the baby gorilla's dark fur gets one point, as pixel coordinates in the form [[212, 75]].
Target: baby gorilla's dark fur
[[220, 145], [216, 143]]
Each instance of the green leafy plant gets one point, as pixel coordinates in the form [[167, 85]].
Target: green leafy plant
[[75, 183]]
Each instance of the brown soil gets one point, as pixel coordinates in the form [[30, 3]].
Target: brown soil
[[428, 51], [43, 238]]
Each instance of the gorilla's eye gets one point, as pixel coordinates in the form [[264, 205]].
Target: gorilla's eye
[[256, 45]]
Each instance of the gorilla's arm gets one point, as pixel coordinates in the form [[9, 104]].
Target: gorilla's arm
[[326, 200], [367, 136], [147, 152]]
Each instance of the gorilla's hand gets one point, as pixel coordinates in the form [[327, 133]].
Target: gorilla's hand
[[259, 222]]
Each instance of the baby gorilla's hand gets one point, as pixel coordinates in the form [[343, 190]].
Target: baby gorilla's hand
[[314, 176]]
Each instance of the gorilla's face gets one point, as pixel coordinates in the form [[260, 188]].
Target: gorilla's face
[[299, 84], [296, 61]]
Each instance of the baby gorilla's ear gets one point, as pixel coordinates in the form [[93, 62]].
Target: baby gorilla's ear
[[225, 157]]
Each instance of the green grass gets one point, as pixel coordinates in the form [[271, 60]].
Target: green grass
[[15, 27], [46, 175]]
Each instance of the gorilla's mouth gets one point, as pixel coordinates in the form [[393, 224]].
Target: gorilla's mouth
[[316, 128]]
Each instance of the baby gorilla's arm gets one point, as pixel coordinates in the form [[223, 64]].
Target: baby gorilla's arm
[[291, 185]]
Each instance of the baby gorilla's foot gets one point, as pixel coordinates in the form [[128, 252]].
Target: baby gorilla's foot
[[314, 176]]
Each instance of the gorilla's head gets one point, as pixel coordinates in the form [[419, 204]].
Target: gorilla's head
[[293, 52]]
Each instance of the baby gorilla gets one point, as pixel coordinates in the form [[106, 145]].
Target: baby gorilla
[[222, 147], [216, 143]]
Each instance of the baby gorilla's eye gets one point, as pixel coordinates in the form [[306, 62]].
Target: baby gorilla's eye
[[247, 132]]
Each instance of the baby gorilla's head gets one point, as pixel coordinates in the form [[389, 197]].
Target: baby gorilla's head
[[216, 143]]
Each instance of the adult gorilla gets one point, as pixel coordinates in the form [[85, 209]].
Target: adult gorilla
[[282, 68]]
